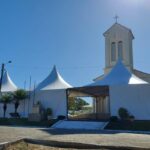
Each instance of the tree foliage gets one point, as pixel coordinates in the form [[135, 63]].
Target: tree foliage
[[19, 95], [76, 103]]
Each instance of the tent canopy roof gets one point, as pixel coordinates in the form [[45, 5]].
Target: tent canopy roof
[[53, 81], [7, 83], [119, 75]]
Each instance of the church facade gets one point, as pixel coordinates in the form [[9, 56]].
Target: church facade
[[121, 85], [118, 45]]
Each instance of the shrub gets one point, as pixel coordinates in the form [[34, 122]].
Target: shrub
[[123, 113], [131, 118], [113, 119], [61, 117], [14, 115], [49, 111]]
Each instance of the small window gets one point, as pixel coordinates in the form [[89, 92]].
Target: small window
[[113, 51], [120, 50]]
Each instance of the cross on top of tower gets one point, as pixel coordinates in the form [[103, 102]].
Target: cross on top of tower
[[116, 18]]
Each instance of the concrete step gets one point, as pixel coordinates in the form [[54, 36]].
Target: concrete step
[[92, 125]]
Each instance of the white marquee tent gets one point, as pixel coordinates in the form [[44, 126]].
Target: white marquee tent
[[7, 83], [128, 91], [125, 90], [7, 86], [119, 75], [53, 81], [51, 92]]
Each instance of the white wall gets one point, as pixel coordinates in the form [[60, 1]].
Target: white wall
[[135, 98], [23, 109], [55, 99]]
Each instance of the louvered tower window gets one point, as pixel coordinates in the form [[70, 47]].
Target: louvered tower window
[[113, 51], [120, 50]]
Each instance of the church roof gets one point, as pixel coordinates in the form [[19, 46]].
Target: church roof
[[7, 83], [119, 75], [53, 81], [140, 72], [118, 25]]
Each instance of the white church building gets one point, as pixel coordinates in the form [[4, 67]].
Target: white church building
[[118, 44], [121, 85]]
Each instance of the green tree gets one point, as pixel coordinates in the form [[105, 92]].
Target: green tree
[[75, 103], [5, 99], [80, 103], [71, 103], [19, 95]]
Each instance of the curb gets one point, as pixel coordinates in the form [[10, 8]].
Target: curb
[[127, 131], [63, 144]]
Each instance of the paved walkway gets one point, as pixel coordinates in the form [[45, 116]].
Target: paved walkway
[[81, 136]]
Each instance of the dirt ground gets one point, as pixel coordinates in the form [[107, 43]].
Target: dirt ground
[[27, 146], [96, 137]]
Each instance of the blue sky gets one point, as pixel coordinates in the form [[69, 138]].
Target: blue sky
[[36, 34]]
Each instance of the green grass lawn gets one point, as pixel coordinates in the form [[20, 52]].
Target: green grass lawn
[[25, 122], [137, 125]]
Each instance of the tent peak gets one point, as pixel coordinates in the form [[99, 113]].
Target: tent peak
[[119, 75], [7, 83], [53, 81]]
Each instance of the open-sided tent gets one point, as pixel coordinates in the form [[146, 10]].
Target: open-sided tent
[[125, 90], [51, 92]]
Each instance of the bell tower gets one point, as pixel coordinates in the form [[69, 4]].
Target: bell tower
[[118, 45]]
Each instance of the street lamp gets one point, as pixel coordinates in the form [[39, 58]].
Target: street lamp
[[2, 72]]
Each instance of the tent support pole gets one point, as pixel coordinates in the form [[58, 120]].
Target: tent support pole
[[67, 103]]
